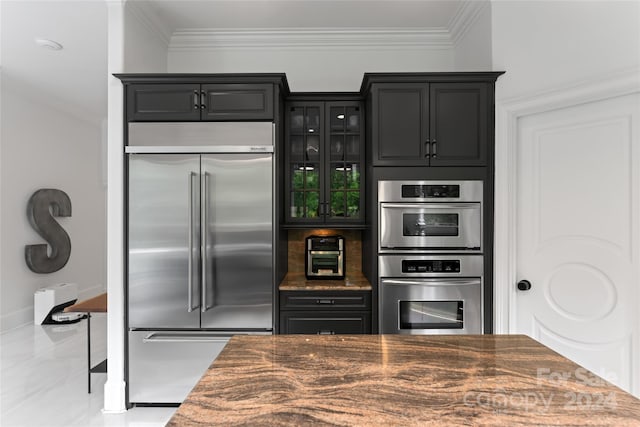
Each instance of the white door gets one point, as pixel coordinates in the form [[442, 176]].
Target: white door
[[578, 235]]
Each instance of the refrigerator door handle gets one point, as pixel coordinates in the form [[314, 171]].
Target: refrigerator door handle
[[204, 228], [174, 337], [191, 307]]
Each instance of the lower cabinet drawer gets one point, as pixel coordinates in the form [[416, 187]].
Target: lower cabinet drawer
[[329, 323]]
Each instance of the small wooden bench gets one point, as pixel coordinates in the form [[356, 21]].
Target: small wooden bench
[[96, 304]]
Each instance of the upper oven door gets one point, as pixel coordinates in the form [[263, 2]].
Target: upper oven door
[[430, 226]]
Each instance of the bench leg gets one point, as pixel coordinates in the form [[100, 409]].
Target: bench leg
[[89, 352]]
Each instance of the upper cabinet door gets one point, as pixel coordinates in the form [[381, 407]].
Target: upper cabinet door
[[237, 102], [400, 124], [344, 179], [163, 102], [172, 102], [459, 117], [305, 162]]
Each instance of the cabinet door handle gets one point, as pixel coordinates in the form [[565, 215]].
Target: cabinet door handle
[[434, 149], [325, 301], [196, 100], [326, 333], [426, 148], [203, 98]]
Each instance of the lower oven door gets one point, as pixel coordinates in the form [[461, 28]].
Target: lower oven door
[[431, 306]]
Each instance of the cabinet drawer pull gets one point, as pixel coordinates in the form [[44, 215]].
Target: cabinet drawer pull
[[196, 101], [325, 301], [203, 98], [434, 149], [426, 148], [326, 333]]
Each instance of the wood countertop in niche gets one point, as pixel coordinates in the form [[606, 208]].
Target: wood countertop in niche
[[298, 282], [400, 380]]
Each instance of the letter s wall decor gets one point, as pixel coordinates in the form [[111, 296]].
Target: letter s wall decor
[[41, 219]]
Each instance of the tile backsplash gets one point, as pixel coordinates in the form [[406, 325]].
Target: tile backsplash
[[352, 241]]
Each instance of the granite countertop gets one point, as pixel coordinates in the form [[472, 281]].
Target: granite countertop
[[408, 380], [298, 282]]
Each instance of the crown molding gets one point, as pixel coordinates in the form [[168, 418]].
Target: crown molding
[[147, 17], [210, 39], [465, 17]]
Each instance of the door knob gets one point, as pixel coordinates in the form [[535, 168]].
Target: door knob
[[524, 285]]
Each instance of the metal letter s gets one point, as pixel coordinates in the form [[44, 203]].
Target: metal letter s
[[42, 221]]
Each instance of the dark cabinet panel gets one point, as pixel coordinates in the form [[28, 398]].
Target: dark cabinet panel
[[430, 124], [459, 124], [399, 125], [238, 102], [163, 102], [323, 300], [324, 322], [195, 102], [325, 312]]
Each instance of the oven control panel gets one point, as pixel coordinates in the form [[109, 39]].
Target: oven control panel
[[431, 266], [430, 191]]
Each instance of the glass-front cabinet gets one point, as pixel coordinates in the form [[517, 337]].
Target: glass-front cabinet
[[324, 162]]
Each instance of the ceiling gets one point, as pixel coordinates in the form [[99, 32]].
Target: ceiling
[[74, 79], [272, 14]]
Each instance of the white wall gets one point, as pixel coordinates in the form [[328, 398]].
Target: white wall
[[550, 44], [473, 48], [144, 51], [133, 47], [43, 147], [315, 68], [557, 55]]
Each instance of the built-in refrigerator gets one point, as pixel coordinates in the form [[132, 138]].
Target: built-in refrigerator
[[200, 249]]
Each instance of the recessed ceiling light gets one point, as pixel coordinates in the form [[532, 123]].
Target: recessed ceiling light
[[48, 44]]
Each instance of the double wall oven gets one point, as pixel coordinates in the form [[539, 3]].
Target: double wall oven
[[430, 260]]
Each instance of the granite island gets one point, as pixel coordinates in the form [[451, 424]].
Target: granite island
[[447, 380]]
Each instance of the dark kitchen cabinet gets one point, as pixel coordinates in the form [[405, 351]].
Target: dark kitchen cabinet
[[421, 123], [194, 102], [325, 312], [324, 143]]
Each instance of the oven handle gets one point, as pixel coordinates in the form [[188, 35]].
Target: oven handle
[[430, 205], [433, 282]]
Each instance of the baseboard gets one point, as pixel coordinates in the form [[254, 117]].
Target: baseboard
[[15, 319]]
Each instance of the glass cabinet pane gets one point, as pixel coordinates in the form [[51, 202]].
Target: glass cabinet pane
[[353, 176], [313, 148], [337, 119], [353, 119], [337, 204], [312, 202], [312, 172], [297, 177], [297, 204], [353, 204], [296, 148], [352, 148], [338, 176], [313, 120], [337, 147], [296, 119]]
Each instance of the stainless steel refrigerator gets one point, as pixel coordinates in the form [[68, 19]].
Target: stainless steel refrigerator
[[200, 249]]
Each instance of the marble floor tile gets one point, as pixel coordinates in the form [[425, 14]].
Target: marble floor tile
[[43, 379]]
